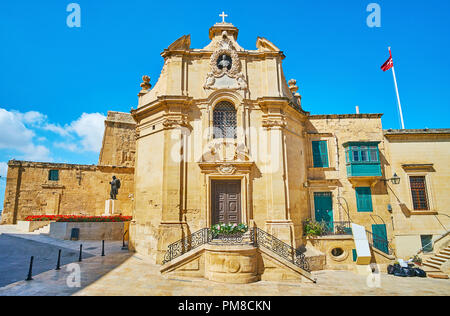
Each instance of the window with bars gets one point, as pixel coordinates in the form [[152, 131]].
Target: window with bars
[[419, 193], [362, 154], [224, 120], [53, 175]]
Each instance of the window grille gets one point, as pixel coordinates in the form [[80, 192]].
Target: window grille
[[224, 120], [419, 193]]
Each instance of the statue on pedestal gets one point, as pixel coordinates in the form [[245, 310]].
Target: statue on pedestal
[[115, 186]]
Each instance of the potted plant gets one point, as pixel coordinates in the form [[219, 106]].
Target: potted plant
[[313, 229], [226, 230], [417, 260]]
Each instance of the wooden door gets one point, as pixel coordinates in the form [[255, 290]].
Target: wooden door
[[226, 202]]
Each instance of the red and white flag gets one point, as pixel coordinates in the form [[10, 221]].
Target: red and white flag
[[388, 64]]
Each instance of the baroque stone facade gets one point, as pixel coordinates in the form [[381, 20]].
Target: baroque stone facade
[[223, 137]]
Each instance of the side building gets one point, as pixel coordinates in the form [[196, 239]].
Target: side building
[[37, 188], [420, 203]]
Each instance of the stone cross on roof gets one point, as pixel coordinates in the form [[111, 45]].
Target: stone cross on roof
[[223, 15]]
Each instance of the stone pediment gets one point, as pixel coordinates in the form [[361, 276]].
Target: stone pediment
[[183, 43], [264, 44], [225, 67]]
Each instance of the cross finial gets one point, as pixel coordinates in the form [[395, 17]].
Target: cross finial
[[223, 15]]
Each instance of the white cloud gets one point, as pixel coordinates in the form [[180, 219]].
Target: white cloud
[[57, 129], [67, 146], [19, 132], [3, 169], [33, 117], [14, 135], [90, 128]]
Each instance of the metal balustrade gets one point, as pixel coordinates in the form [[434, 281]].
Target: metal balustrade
[[257, 237]]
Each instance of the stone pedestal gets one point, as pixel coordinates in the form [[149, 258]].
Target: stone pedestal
[[231, 264], [111, 207]]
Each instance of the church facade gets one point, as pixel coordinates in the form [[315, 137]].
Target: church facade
[[223, 137]]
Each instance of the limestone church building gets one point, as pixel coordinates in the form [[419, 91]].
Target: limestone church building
[[223, 137]]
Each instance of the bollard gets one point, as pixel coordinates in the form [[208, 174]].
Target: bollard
[[58, 263], [29, 278], [81, 250], [103, 248], [123, 241]]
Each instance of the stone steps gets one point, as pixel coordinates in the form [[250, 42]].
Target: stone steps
[[434, 263], [438, 275], [43, 230], [446, 257]]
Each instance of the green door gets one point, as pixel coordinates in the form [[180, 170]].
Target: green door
[[323, 204], [380, 240]]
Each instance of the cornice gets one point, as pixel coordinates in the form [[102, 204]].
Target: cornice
[[161, 101]]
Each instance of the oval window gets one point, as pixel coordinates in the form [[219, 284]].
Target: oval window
[[336, 252]]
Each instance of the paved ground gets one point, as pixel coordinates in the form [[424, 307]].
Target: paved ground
[[122, 273], [15, 256], [17, 247]]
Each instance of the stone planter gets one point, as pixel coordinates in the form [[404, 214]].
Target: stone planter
[[89, 231]]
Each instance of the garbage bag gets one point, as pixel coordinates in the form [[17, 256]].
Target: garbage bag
[[420, 273], [390, 269], [410, 272]]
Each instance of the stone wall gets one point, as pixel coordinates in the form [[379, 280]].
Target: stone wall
[[119, 140], [89, 231], [80, 190], [419, 153], [337, 130]]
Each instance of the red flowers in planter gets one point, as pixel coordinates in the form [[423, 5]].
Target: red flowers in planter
[[78, 218]]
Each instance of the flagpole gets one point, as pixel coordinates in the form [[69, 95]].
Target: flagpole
[[398, 95]]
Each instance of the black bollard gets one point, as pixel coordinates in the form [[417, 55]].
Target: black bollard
[[103, 248], [123, 241], [58, 263], [29, 278], [81, 250]]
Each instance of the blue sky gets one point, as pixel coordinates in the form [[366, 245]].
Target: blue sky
[[57, 83]]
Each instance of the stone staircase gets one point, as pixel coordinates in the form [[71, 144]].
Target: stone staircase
[[433, 264], [43, 230]]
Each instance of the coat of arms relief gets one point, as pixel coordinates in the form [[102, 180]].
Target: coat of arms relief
[[225, 67]]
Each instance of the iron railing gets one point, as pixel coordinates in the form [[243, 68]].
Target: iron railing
[[379, 243], [337, 228], [258, 238], [263, 239], [188, 243], [334, 228]]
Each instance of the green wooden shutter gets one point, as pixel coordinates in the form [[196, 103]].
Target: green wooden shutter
[[320, 154], [323, 204], [354, 255], [364, 199], [379, 235]]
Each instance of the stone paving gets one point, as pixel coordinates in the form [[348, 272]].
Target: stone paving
[[123, 273]]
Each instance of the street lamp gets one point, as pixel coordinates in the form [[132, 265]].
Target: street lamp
[[395, 179]]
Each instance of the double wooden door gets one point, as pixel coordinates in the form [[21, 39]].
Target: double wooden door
[[226, 201]]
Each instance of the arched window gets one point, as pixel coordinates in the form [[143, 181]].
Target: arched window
[[224, 120]]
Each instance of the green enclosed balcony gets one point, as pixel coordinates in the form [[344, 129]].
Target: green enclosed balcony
[[363, 159]]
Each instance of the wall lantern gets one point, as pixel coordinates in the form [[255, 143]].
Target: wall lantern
[[395, 179]]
